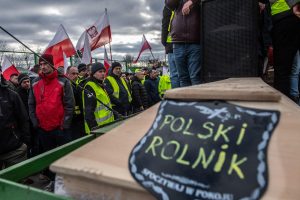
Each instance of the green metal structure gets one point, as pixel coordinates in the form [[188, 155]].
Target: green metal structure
[[10, 189]]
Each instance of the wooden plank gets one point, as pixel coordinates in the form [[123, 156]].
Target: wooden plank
[[234, 89], [103, 164]]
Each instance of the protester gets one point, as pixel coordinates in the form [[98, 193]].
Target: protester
[[286, 42], [23, 88], [166, 40], [77, 125], [93, 98], [51, 107], [118, 90], [23, 91], [185, 34], [14, 127], [13, 82], [82, 70], [139, 93], [151, 86]]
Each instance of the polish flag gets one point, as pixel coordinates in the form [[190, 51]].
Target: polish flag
[[60, 40], [145, 45], [66, 65], [106, 61], [58, 59], [8, 68], [99, 34], [87, 54]]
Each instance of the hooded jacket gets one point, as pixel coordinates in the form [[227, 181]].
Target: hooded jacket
[[51, 102]]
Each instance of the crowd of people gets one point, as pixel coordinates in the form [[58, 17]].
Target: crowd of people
[[54, 108]]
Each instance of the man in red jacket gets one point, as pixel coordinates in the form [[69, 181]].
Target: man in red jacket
[[51, 105]]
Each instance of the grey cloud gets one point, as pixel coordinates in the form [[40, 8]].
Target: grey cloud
[[26, 19]]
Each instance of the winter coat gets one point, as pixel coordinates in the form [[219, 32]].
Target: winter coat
[[51, 102], [121, 104], [24, 94], [185, 28], [14, 121], [139, 94], [151, 86], [164, 30]]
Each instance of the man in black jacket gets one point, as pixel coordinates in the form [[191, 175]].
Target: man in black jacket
[[151, 86], [139, 93], [23, 91], [77, 126], [118, 90], [14, 127]]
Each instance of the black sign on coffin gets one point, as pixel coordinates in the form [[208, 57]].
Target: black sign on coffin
[[207, 150]]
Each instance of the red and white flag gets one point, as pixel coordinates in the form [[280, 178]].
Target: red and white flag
[[106, 61], [60, 40], [65, 63], [8, 68], [99, 34], [58, 59], [87, 54], [145, 45]]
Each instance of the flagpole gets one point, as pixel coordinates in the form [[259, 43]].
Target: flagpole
[[109, 39], [71, 42]]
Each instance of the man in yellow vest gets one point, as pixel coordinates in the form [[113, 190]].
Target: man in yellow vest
[[166, 40], [286, 42], [96, 113], [118, 90]]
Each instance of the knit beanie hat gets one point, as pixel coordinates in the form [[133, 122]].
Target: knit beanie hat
[[81, 67], [47, 57], [96, 67], [22, 77], [115, 64]]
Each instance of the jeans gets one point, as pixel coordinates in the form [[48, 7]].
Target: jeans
[[286, 40], [173, 71], [188, 63], [294, 77]]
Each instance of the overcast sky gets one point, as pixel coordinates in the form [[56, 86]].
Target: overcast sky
[[35, 22]]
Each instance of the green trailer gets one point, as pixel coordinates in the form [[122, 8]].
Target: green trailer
[[10, 178]]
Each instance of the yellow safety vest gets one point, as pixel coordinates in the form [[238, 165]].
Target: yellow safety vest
[[169, 38], [164, 85], [79, 79], [102, 114], [279, 6], [116, 87]]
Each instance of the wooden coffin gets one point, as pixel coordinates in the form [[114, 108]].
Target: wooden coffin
[[99, 170]]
